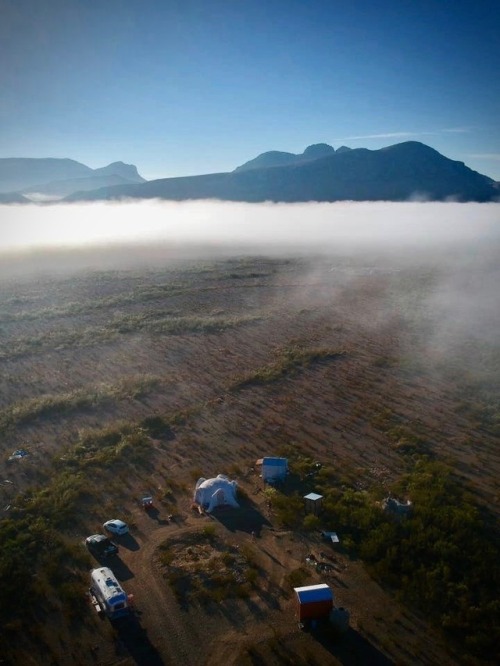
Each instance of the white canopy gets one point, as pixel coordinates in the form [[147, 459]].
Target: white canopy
[[211, 493]]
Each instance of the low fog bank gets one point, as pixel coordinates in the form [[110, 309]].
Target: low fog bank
[[444, 256], [124, 235]]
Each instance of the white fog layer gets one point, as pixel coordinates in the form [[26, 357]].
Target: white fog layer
[[311, 224]]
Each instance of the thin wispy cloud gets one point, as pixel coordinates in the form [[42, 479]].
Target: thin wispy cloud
[[403, 134], [456, 130], [385, 135]]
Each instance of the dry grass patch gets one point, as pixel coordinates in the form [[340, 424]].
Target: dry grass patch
[[288, 362], [70, 401]]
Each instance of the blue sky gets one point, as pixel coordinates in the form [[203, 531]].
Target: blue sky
[[180, 87]]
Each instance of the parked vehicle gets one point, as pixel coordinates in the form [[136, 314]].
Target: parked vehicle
[[116, 526], [147, 502], [112, 598], [100, 545]]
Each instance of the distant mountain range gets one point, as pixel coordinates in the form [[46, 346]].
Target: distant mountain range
[[22, 178], [404, 171], [277, 158]]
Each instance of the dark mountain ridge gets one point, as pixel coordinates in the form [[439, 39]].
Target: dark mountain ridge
[[396, 173], [278, 158]]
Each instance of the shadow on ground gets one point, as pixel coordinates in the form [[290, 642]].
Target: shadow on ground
[[121, 570], [132, 641], [117, 566], [127, 541], [353, 649], [247, 518], [154, 514]]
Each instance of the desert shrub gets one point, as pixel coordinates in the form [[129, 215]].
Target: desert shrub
[[209, 531], [58, 501], [407, 442], [72, 596], [270, 493], [311, 522], [297, 577], [166, 554], [249, 554], [156, 426], [227, 558], [124, 444], [288, 509], [252, 575], [288, 362]]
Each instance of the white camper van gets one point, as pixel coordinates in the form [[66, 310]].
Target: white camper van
[[109, 593]]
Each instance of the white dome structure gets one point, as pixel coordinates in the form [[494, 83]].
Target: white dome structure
[[211, 493]]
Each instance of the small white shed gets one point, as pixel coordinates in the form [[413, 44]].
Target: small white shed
[[313, 503]]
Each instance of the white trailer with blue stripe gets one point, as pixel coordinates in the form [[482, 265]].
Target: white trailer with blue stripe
[[112, 598]]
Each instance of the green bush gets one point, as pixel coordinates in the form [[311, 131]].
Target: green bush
[[209, 531], [311, 523], [298, 577]]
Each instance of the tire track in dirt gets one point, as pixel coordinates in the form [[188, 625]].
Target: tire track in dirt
[[167, 630]]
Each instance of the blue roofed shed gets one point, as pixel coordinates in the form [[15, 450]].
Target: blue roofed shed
[[274, 469]]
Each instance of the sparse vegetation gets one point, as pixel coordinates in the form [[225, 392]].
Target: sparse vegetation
[[440, 558], [62, 403], [288, 362], [354, 427], [157, 323], [33, 537], [73, 309]]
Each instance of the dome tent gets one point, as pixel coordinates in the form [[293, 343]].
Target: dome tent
[[211, 493]]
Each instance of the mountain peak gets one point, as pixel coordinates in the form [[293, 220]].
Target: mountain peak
[[318, 150], [58, 177], [275, 158], [128, 171]]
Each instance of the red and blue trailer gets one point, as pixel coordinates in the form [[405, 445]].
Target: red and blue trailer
[[314, 602]]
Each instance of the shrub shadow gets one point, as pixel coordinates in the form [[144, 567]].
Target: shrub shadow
[[154, 514]]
